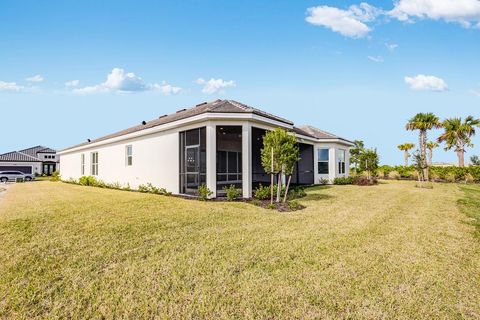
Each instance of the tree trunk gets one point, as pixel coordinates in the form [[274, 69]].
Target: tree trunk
[[406, 155], [286, 189], [271, 181], [423, 141], [430, 157], [279, 186], [461, 158]]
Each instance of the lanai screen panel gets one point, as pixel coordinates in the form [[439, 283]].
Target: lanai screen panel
[[229, 157], [193, 160]]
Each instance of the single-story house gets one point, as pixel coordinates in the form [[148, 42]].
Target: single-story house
[[216, 143], [36, 160]]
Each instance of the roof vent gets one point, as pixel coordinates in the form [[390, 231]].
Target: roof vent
[[88, 140], [181, 110], [201, 104], [162, 116], [144, 122]]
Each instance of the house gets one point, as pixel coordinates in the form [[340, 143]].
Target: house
[[216, 143], [37, 160]]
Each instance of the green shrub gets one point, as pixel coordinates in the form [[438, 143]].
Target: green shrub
[[450, 177], [88, 181], [296, 193], [394, 175], [127, 187], [342, 180], [294, 205], [232, 192], [262, 192], [55, 176], [204, 193], [150, 188], [271, 206]]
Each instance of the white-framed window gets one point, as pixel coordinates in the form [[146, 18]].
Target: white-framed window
[[94, 158], [341, 161], [129, 155], [323, 157], [82, 164]]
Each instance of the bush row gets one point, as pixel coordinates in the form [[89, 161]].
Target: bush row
[[358, 180], [439, 174], [263, 192]]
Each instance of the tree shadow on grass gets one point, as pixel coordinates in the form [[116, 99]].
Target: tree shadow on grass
[[317, 197]]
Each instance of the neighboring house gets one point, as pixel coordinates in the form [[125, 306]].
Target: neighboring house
[[36, 160], [216, 144]]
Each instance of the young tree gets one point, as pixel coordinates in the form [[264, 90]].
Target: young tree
[[475, 160], [457, 134], [406, 147], [291, 155], [423, 122], [279, 154], [430, 146], [368, 162], [355, 152]]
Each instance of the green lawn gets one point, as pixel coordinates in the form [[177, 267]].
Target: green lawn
[[389, 251]]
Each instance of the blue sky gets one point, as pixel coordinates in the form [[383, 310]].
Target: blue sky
[[360, 72]]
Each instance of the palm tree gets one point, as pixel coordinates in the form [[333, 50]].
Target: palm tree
[[406, 147], [423, 122], [457, 135], [430, 146]]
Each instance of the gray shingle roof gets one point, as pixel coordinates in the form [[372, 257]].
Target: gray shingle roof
[[317, 133], [34, 150], [16, 156], [217, 106]]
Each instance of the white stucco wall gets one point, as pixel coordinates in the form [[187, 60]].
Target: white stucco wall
[[333, 169], [155, 160]]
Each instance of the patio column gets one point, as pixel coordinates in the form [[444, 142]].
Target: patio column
[[212, 158], [247, 160], [332, 165]]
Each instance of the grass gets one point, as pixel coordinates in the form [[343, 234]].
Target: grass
[[388, 251], [470, 204]]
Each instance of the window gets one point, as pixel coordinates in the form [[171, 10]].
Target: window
[[129, 155], [82, 164], [323, 161], [341, 161], [94, 171]]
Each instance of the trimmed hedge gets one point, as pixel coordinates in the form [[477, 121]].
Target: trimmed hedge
[[447, 174]]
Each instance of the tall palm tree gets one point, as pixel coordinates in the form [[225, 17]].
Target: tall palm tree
[[457, 134], [423, 122], [406, 147], [430, 146]]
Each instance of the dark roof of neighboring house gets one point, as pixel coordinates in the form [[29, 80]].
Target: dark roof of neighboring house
[[217, 106], [16, 156], [317, 133], [37, 149]]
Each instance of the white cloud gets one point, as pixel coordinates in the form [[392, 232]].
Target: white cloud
[[426, 83], [166, 88], [475, 92], [350, 23], [10, 87], [36, 78], [214, 85], [375, 59], [391, 46], [127, 82], [465, 12], [72, 84]]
